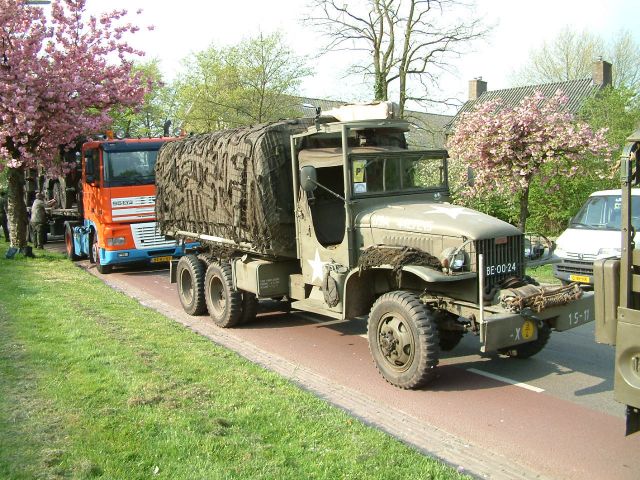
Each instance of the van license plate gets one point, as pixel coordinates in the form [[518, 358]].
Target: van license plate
[[161, 259], [579, 278]]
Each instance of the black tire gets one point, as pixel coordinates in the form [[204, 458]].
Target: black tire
[[249, 307], [58, 194], [68, 243], [400, 319], [94, 255], [526, 350], [190, 277], [449, 339], [223, 302]]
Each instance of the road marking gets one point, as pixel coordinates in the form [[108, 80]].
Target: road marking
[[506, 380]]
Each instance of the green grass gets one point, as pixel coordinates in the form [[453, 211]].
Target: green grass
[[94, 385], [543, 274]]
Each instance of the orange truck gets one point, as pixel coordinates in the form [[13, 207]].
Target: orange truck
[[115, 223]]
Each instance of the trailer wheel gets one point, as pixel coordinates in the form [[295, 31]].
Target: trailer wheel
[[190, 275], [224, 303], [526, 350], [68, 242], [249, 307], [403, 339]]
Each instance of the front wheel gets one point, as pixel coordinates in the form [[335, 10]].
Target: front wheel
[[526, 350], [403, 339], [94, 256]]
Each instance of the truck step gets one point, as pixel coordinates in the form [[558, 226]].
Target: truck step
[[315, 306]]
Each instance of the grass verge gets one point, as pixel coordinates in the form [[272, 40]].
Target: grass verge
[[94, 385]]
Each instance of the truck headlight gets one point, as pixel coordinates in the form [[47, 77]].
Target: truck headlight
[[115, 241], [454, 259]]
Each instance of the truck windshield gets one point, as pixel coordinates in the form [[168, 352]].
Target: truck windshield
[[130, 168], [603, 212], [398, 172]]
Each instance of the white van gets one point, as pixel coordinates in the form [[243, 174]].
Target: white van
[[593, 233]]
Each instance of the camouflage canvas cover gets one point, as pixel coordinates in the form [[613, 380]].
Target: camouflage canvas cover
[[234, 184]]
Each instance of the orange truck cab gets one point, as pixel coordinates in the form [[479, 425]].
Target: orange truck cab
[[118, 224]]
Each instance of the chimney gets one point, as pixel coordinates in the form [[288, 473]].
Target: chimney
[[476, 88], [602, 75]]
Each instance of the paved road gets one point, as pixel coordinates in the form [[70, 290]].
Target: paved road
[[560, 422]]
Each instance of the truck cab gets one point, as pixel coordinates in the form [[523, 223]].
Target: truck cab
[[118, 224]]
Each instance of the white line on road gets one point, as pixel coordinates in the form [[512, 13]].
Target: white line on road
[[506, 380]]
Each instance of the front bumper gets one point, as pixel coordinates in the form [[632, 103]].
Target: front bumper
[[580, 271], [125, 257], [502, 330]]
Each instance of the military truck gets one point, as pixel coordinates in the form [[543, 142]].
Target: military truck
[[617, 289], [338, 216]]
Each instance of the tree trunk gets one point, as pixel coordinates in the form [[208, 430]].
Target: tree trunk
[[524, 209], [16, 209]]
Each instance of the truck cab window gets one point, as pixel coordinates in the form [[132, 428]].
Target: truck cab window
[[130, 168], [327, 211], [92, 166], [392, 173]]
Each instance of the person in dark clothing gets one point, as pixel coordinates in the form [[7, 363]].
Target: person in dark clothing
[[4, 218], [39, 219]]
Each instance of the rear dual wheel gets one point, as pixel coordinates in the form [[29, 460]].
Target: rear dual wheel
[[190, 277], [202, 288], [223, 302]]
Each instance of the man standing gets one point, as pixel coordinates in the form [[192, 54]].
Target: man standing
[[3, 214], [39, 219]]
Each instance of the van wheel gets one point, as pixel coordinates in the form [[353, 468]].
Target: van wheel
[[190, 275], [526, 350], [224, 303], [403, 339]]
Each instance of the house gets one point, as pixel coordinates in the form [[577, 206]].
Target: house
[[427, 129], [577, 91]]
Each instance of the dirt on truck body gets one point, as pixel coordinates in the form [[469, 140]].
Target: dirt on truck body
[[336, 215]]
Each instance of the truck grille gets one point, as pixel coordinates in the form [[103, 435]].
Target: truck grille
[[146, 236], [502, 259], [575, 267]]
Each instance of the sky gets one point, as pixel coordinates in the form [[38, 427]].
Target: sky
[[188, 26]]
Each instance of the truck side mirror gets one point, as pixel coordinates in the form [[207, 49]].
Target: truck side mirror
[[308, 178]]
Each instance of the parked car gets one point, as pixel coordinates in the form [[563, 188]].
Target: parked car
[[594, 233]]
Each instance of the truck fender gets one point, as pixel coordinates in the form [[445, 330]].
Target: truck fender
[[362, 287]]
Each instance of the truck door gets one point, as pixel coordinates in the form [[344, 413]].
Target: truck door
[[321, 226], [91, 182]]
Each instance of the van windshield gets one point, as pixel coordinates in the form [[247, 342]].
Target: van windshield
[[603, 212]]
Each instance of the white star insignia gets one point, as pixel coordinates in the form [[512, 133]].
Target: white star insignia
[[453, 212], [316, 265]]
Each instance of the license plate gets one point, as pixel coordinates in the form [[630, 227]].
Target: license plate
[[161, 259], [579, 278]]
